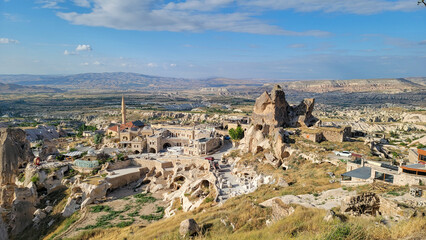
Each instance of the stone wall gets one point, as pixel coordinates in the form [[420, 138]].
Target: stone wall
[[123, 179], [119, 165], [150, 164], [314, 137], [336, 135]]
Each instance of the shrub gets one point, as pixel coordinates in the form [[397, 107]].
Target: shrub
[[208, 199], [340, 233], [100, 208], [35, 178], [144, 198], [236, 134], [124, 223], [98, 138], [21, 177]]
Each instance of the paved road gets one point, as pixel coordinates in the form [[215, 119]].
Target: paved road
[[227, 146]]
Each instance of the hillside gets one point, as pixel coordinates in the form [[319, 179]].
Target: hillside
[[121, 81], [15, 88], [386, 85], [124, 81]]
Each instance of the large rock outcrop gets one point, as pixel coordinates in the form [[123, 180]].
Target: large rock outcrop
[[370, 204], [273, 110], [15, 152], [271, 114]]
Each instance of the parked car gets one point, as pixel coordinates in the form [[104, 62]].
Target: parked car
[[343, 153], [227, 137]]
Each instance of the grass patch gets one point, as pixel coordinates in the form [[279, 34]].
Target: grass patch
[[144, 198], [105, 220], [125, 223], [100, 208]]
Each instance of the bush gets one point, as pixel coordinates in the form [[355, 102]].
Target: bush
[[98, 138], [208, 199], [100, 208], [121, 157], [144, 198], [21, 177], [340, 233], [124, 223], [35, 178], [236, 134]]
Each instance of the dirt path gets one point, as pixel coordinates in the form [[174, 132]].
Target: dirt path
[[74, 225]]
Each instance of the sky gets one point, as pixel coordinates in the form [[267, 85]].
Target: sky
[[256, 39]]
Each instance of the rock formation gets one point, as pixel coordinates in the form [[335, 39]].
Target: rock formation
[[271, 114], [273, 110], [15, 152], [370, 204], [188, 227]]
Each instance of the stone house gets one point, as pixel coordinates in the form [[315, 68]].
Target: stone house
[[332, 134], [203, 146], [359, 173]]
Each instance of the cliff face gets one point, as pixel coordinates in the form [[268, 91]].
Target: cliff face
[[271, 114], [15, 151]]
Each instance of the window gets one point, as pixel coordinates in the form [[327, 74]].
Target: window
[[384, 177], [346, 178], [379, 175], [388, 178], [408, 171]]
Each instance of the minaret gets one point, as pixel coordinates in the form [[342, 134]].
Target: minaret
[[123, 110]]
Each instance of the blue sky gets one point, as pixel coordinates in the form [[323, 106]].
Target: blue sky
[[268, 39]]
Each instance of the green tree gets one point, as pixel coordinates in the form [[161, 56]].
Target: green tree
[[236, 134], [98, 138]]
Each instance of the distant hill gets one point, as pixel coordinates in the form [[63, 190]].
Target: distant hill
[[125, 81], [6, 88], [388, 85], [120, 81]]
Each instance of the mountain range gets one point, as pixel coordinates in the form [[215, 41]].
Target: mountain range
[[7, 88], [124, 81]]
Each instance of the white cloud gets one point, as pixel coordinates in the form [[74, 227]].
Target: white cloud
[[85, 64], [152, 65], [8, 41], [297, 45], [199, 5], [82, 3], [13, 17], [173, 65], [354, 7], [151, 15], [52, 4], [97, 63], [66, 52], [83, 47]]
